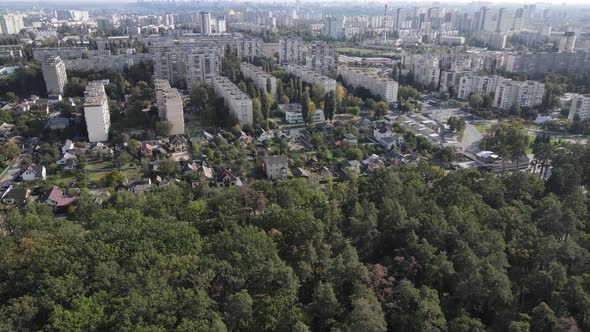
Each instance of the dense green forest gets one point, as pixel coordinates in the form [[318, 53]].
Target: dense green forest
[[408, 249]]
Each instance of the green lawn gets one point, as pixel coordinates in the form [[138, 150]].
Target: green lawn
[[97, 166], [481, 128], [130, 174]]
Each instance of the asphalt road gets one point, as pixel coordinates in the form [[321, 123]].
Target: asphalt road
[[12, 172]]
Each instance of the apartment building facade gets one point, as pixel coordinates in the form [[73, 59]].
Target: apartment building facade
[[54, 74], [238, 103], [525, 94], [170, 107], [321, 57], [96, 111], [580, 107], [311, 77], [383, 87], [479, 85], [291, 50], [262, 80]]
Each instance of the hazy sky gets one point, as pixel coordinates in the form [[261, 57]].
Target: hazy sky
[[393, 3]]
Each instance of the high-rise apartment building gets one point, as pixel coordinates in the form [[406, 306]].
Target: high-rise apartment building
[[220, 25], [292, 50], [11, 24], [567, 42], [321, 57], [383, 87], [525, 94], [238, 103], [334, 26], [191, 63], [580, 107], [96, 111], [311, 77], [479, 85], [541, 63], [170, 106], [262, 80], [205, 22], [54, 74], [427, 72]]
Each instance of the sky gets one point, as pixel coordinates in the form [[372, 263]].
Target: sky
[[393, 3]]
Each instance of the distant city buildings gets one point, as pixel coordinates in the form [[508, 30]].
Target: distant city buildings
[[170, 107], [54, 74], [567, 63], [205, 22], [96, 111]]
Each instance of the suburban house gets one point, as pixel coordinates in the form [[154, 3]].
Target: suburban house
[[147, 149], [276, 167], [207, 172], [266, 135], [350, 139], [387, 138], [138, 186], [394, 141], [190, 167], [382, 132], [34, 172], [299, 172], [325, 173], [68, 145], [177, 143], [325, 129], [373, 163], [58, 199], [68, 160], [227, 179], [352, 165]]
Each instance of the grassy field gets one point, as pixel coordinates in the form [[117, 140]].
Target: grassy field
[[364, 52], [97, 166], [130, 174], [481, 128]]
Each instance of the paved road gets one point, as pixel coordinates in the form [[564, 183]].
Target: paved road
[[471, 139], [12, 172]]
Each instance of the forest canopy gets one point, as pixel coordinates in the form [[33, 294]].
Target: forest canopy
[[407, 249]]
